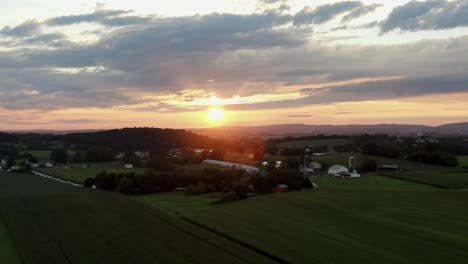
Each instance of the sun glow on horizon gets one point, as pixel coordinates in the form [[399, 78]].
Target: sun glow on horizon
[[216, 114]]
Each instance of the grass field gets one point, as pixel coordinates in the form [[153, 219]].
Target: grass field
[[76, 172], [8, 252], [444, 177], [314, 143], [463, 161], [82, 226], [393, 223], [178, 203], [369, 182]]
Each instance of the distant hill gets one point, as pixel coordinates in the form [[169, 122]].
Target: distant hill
[[126, 139], [151, 139], [50, 132], [301, 129]]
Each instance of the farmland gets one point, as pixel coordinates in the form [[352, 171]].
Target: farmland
[[72, 225], [330, 143], [8, 253], [387, 220], [178, 203], [77, 173], [463, 160], [444, 177]]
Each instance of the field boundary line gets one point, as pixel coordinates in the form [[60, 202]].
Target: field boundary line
[[439, 186], [237, 241], [163, 218], [41, 174]]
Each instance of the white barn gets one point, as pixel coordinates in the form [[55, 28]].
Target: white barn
[[232, 165], [335, 170]]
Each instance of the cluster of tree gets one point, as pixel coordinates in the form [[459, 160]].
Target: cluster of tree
[[156, 140], [131, 183], [344, 148], [190, 156], [197, 182], [434, 158], [384, 150], [292, 177], [94, 154]]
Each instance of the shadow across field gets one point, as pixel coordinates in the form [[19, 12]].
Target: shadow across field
[[51, 222]]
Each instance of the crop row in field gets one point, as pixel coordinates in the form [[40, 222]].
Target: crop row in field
[[8, 252], [97, 227], [336, 224]]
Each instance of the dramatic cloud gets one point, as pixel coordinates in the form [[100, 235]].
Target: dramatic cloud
[[359, 12], [327, 12], [104, 17], [28, 28], [171, 64], [432, 14]]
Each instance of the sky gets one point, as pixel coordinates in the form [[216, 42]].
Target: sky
[[111, 64]]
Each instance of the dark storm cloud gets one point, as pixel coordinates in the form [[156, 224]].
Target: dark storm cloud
[[325, 13], [428, 15], [26, 29]]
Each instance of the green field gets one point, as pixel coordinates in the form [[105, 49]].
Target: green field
[[314, 143], [178, 203], [392, 223], [444, 177], [463, 161], [369, 182], [8, 252], [76, 172], [74, 225]]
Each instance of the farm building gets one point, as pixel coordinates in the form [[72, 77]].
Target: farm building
[[390, 167], [350, 174], [232, 165], [142, 154], [307, 171], [315, 166], [335, 170], [282, 188]]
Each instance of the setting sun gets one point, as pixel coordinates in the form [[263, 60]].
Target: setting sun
[[216, 114]]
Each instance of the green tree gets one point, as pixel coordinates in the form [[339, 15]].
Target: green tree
[[59, 155], [78, 157]]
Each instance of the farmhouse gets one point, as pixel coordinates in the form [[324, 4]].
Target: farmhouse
[[281, 188], [335, 170], [232, 165]]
